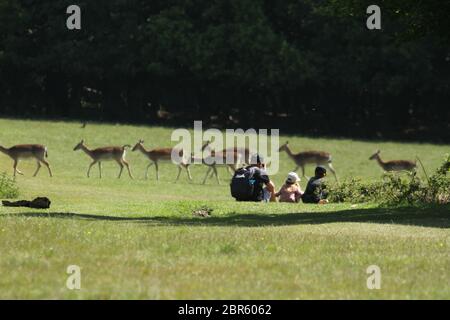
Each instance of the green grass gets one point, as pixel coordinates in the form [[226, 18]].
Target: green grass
[[138, 239]]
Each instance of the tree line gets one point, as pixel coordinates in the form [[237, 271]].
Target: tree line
[[304, 66]]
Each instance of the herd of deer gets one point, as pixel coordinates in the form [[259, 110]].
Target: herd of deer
[[239, 156]]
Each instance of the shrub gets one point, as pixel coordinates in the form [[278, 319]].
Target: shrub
[[8, 187], [396, 189], [439, 184], [354, 190]]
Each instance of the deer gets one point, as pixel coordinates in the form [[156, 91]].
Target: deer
[[28, 151], [233, 154], [105, 154], [394, 165], [244, 153], [307, 157], [239, 154], [161, 154]]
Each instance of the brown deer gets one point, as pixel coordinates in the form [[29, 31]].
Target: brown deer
[[220, 158], [105, 154], [309, 157], [237, 155], [28, 151], [161, 154], [243, 153], [394, 165]]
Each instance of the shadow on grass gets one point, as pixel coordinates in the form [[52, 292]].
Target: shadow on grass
[[430, 216]]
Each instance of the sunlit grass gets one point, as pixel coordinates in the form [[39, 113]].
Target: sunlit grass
[[138, 238]]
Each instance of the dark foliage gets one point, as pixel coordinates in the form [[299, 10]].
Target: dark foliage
[[310, 67]]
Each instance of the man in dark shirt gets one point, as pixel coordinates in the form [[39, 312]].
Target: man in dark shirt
[[262, 179], [315, 190]]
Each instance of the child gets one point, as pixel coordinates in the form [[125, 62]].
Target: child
[[290, 191], [316, 189]]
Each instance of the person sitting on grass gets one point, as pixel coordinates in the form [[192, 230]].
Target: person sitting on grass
[[315, 190], [258, 167], [252, 183], [290, 191]]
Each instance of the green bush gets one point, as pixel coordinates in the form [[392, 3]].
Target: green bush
[[439, 184], [8, 187], [354, 190], [396, 189]]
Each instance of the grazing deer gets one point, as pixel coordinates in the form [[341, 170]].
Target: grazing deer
[[211, 161], [105, 154], [161, 154], [308, 157], [394, 165], [28, 151]]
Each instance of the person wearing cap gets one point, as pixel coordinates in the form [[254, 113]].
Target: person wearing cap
[[315, 190], [259, 174], [290, 191]]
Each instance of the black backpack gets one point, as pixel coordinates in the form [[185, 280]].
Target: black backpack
[[243, 185]]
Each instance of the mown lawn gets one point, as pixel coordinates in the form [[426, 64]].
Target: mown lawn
[[138, 238]]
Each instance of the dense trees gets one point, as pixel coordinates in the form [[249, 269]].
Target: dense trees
[[305, 66]]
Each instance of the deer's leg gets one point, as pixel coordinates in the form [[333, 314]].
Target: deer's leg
[[212, 174], [128, 168], [90, 166], [303, 171], [37, 169], [179, 172], [188, 172], [15, 168], [100, 169], [146, 170], [330, 166], [121, 168], [157, 171], [45, 162], [217, 175], [296, 168], [207, 174]]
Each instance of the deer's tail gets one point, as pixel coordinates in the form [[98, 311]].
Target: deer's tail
[[423, 168], [46, 152]]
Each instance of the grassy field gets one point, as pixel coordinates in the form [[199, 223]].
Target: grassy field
[[138, 238]]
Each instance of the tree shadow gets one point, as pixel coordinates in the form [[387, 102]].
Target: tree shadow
[[430, 216]]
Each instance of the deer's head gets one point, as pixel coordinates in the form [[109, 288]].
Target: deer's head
[[375, 155], [78, 146], [138, 145], [284, 147]]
